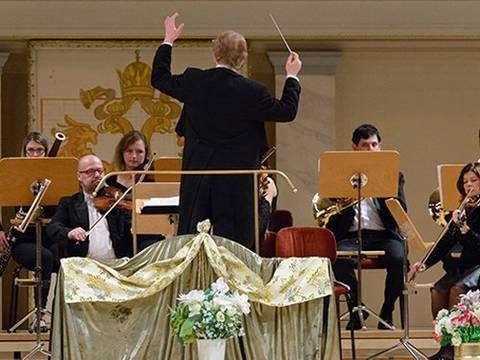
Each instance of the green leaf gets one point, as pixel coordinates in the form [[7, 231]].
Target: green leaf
[[186, 329]]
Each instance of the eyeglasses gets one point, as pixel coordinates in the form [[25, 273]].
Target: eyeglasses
[[35, 151], [92, 172]]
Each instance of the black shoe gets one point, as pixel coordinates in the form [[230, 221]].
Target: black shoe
[[387, 317], [355, 322], [382, 326]]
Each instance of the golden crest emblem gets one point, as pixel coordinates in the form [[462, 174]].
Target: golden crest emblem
[[158, 115]]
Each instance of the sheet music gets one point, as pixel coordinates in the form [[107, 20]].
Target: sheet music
[[162, 201]]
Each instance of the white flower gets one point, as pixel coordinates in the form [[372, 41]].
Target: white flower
[[222, 301], [241, 302], [194, 296], [232, 311], [219, 286], [194, 308], [445, 323], [456, 339], [442, 313], [220, 317]]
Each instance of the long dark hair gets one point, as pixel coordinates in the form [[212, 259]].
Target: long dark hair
[[38, 138]]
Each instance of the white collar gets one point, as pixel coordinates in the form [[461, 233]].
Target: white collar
[[225, 66]]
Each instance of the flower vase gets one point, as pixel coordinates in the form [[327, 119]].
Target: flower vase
[[211, 349], [469, 351]]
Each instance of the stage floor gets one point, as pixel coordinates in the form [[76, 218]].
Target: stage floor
[[20, 343], [370, 342], [367, 343]]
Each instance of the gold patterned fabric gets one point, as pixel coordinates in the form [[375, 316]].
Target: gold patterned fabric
[[120, 311]]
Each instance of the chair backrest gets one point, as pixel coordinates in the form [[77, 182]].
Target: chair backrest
[[306, 241], [280, 219]]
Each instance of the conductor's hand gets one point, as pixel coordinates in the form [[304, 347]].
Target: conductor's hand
[[3, 241], [171, 31], [77, 234], [417, 267], [293, 65]]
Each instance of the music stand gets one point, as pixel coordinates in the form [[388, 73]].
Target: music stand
[[168, 163], [409, 234], [448, 174], [359, 174], [29, 172]]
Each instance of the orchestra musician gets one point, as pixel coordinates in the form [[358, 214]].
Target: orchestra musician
[[24, 247], [223, 127], [379, 232], [266, 205], [464, 229], [109, 240], [132, 153]]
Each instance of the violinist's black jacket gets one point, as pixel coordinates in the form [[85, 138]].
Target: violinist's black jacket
[[470, 256], [72, 212]]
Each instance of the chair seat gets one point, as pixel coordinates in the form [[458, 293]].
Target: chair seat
[[372, 263], [340, 290]]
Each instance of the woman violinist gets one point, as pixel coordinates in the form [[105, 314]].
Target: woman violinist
[[131, 154], [465, 229]]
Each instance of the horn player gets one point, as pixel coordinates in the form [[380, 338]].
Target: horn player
[[380, 232]]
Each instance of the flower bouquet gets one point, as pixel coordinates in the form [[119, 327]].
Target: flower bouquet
[[210, 314], [461, 324]]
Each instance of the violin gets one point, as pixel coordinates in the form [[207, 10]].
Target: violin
[[471, 204], [108, 195], [264, 177]]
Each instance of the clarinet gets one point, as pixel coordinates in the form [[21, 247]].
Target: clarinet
[[11, 237]]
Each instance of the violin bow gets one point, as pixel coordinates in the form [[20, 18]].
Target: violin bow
[[442, 234]]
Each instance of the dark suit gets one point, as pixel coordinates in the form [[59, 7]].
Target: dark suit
[[388, 240], [24, 252], [72, 212], [223, 127]]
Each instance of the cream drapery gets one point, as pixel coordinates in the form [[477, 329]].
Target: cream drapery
[[121, 311]]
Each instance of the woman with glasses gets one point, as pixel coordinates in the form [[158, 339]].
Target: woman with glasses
[[24, 247]]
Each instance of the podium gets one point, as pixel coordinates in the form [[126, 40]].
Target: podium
[[357, 175]]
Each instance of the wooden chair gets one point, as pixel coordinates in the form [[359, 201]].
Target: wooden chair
[[315, 241]]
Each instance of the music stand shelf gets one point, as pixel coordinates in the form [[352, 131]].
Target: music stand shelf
[[359, 174]]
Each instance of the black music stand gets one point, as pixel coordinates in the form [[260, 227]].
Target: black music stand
[[409, 234], [356, 175], [28, 174]]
